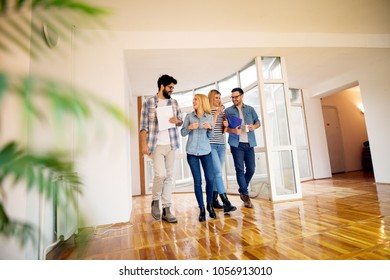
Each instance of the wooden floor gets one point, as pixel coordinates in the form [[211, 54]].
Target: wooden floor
[[346, 217]]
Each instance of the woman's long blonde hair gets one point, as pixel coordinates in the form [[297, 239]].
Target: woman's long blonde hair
[[204, 101]]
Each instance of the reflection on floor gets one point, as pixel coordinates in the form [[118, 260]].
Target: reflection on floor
[[346, 217]]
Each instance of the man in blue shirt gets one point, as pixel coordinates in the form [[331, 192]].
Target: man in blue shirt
[[242, 141]]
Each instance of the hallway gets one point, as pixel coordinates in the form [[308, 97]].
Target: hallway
[[346, 217]]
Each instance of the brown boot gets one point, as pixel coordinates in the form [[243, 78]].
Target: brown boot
[[247, 201]]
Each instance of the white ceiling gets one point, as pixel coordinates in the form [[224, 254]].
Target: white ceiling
[[194, 67], [319, 16], [198, 67]]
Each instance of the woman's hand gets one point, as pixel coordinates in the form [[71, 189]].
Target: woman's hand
[[225, 126], [219, 110], [193, 126], [207, 125]]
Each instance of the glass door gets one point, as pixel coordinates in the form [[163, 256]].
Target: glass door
[[300, 132], [284, 182]]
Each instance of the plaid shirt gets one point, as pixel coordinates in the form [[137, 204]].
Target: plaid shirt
[[149, 122]]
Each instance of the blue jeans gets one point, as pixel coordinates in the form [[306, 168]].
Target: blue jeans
[[243, 155], [207, 165], [218, 152]]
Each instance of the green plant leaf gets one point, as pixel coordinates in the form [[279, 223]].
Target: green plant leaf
[[9, 228], [3, 85], [52, 174]]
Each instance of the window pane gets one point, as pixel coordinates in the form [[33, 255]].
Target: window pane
[[206, 89], [183, 177], [225, 86], [283, 168], [184, 98], [277, 115], [260, 177], [248, 76], [295, 96], [271, 68], [183, 140], [148, 175], [304, 163], [252, 98], [298, 125]]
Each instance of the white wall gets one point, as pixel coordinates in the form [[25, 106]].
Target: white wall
[[45, 135], [100, 147], [317, 137], [104, 161], [134, 149], [375, 92]]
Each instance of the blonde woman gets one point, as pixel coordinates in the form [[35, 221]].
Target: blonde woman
[[218, 151], [198, 125]]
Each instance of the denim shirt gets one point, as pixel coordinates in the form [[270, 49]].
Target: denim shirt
[[250, 117], [198, 142]]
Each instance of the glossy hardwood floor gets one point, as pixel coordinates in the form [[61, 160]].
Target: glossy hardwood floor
[[346, 217]]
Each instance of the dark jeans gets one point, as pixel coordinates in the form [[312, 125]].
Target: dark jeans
[[207, 165], [244, 162]]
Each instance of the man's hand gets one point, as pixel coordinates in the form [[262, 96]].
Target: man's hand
[[237, 130], [174, 120], [145, 150]]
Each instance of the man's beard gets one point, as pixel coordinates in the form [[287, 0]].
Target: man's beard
[[166, 95]]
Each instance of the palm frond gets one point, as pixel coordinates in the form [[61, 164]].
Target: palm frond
[[10, 228], [44, 171], [3, 5], [3, 85], [69, 4], [63, 99], [16, 32], [49, 174]]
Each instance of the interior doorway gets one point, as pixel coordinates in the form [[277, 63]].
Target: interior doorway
[[345, 129], [334, 138]]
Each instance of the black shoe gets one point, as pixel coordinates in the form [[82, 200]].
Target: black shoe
[[216, 204], [227, 206], [202, 215], [211, 211]]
